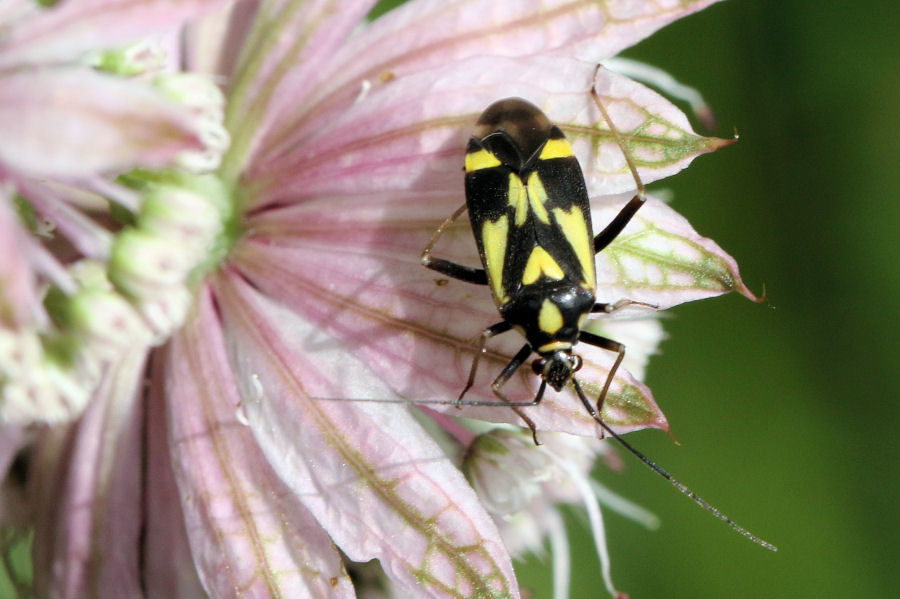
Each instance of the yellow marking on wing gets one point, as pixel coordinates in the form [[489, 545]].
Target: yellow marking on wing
[[475, 161], [550, 318], [518, 198], [541, 263], [537, 197], [556, 148], [574, 227], [494, 235]]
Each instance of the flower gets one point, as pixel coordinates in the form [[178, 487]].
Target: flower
[[237, 472], [67, 129], [522, 486]]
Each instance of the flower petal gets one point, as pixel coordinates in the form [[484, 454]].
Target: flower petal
[[18, 279], [432, 33], [88, 508], [660, 259], [427, 33], [249, 535], [50, 203], [374, 479], [410, 135], [168, 568], [78, 122], [212, 45], [69, 29], [274, 73]]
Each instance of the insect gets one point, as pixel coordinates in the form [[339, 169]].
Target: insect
[[530, 214]]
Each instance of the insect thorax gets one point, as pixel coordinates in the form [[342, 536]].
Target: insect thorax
[[548, 315]]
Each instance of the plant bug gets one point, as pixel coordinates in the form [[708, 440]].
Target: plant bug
[[530, 215]]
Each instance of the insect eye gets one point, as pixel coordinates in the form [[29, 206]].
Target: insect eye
[[577, 363]]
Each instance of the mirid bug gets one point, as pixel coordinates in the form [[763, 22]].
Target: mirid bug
[[530, 214], [531, 218]]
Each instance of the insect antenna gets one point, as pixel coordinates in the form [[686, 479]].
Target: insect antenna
[[659, 470], [434, 402]]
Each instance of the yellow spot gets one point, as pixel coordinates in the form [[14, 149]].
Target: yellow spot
[[537, 197], [480, 159], [541, 263], [550, 318], [518, 198], [553, 346], [493, 236], [556, 148], [575, 229]]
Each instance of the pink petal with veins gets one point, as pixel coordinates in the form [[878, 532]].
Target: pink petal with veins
[[398, 44], [295, 39], [78, 122], [659, 258], [590, 30], [88, 508], [213, 45], [69, 29], [169, 571], [249, 534], [410, 134], [371, 476], [18, 297]]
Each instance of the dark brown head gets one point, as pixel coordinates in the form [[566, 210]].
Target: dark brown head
[[516, 120], [557, 367]]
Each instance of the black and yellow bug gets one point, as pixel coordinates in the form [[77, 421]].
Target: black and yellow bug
[[531, 218], [530, 215]]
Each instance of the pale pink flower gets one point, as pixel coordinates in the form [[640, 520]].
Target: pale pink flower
[[66, 128], [241, 472], [522, 486]]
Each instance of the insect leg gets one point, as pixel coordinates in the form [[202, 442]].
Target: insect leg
[[502, 378], [505, 375], [529, 421], [446, 267], [607, 344], [496, 329], [612, 230], [610, 308]]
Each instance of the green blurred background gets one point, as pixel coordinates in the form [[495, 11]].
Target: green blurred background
[[787, 412]]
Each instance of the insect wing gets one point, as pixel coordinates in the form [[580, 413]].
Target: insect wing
[[488, 203], [561, 214], [531, 221]]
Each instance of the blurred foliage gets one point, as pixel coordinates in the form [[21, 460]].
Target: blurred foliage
[[15, 563]]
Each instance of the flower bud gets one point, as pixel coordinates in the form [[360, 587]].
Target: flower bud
[[206, 102]]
